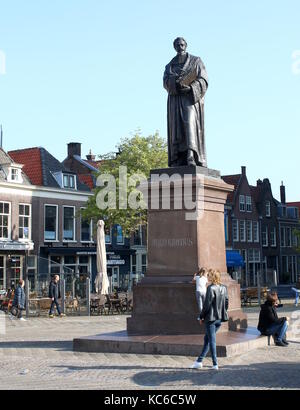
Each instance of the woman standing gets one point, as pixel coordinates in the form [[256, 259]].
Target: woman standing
[[214, 313], [20, 299], [200, 278]]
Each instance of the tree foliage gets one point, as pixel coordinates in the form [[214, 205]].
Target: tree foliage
[[139, 154]]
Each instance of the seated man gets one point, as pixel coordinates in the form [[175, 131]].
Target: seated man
[[269, 323]]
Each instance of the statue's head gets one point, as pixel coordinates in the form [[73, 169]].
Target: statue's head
[[180, 45]]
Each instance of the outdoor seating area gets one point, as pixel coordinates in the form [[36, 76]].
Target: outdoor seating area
[[249, 296], [116, 303]]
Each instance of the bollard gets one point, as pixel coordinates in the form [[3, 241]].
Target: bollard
[[27, 296]]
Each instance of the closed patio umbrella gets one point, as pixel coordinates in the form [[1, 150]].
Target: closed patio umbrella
[[101, 281]]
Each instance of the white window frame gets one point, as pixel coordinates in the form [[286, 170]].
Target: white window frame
[[255, 232], [9, 222], [56, 238], [243, 238], [17, 174], [69, 176], [274, 237], [265, 237], [131, 264], [242, 202], [268, 209], [91, 230], [29, 224], [74, 224], [235, 229], [249, 230], [249, 204]]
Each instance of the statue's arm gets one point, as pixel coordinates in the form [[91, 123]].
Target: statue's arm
[[200, 85], [170, 82]]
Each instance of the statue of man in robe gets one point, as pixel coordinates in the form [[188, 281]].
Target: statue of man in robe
[[186, 81]]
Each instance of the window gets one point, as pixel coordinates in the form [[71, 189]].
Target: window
[[249, 231], [289, 237], [242, 203], [24, 222], [86, 230], [265, 239], [4, 220], [55, 264], [133, 264], [144, 263], [69, 223], [235, 229], [107, 235], [14, 174], [256, 231], [69, 181], [273, 237], [268, 208], [243, 231], [282, 238], [120, 237], [295, 240], [16, 270], [2, 270], [248, 203], [253, 256], [50, 233]]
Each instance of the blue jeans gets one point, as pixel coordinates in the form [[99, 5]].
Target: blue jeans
[[200, 300], [297, 292], [210, 341], [54, 303], [279, 330]]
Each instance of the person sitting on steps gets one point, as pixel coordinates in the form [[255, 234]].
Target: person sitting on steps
[[269, 324]]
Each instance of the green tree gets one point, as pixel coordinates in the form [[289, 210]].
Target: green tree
[[139, 154]]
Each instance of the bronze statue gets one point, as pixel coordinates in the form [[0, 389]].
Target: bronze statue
[[186, 81]]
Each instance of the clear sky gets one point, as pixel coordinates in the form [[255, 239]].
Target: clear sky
[[91, 71]]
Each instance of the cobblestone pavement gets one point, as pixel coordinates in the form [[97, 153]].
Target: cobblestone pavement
[[37, 354]]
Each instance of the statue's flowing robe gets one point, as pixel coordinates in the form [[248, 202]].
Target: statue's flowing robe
[[186, 111]]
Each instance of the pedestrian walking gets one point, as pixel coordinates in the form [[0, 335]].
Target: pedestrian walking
[[200, 278], [269, 324], [214, 313], [296, 289], [54, 295], [19, 300]]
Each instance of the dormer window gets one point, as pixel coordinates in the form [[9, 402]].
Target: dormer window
[[69, 181], [14, 174]]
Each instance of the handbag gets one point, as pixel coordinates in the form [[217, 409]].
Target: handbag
[[14, 311]]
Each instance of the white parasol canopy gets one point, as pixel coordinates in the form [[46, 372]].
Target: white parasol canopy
[[101, 281]]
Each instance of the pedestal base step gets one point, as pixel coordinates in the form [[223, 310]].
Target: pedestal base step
[[228, 343]]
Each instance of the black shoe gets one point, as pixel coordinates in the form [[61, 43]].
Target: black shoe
[[280, 343], [285, 342]]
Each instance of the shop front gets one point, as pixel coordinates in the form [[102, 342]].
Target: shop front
[[12, 263]]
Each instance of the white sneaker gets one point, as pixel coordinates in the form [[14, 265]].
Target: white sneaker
[[215, 367], [23, 320], [197, 365], [11, 317]]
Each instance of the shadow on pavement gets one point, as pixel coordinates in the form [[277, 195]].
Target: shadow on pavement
[[65, 345], [258, 375]]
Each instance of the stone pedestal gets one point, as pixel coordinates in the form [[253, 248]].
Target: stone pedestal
[[179, 242]]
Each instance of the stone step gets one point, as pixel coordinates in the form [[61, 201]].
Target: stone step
[[229, 344]]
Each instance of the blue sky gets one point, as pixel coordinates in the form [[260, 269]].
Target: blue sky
[[91, 71]]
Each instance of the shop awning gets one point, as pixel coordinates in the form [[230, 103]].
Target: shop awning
[[234, 259]]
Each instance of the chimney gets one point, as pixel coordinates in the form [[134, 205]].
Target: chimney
[[74, 148], [244, 171], [91, 157], [282, 194]]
